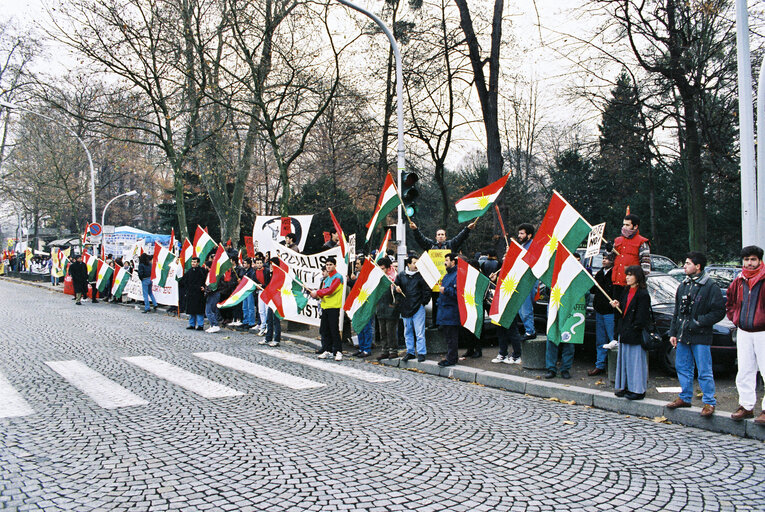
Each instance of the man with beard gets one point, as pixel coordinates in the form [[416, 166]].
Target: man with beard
[[525, 235], [631, 249]]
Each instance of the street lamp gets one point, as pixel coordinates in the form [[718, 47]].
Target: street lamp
[[126, 194], [400, 231], [90, 159]]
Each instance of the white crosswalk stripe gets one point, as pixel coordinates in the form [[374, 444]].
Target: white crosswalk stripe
[[183, 378], [106, 393], [328, 366], [261, 372], [12, 404]]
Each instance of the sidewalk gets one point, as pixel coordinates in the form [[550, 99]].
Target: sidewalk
[[580, 390]]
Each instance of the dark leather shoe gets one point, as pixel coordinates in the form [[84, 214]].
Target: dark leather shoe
[[190, 328], [200, 328], [408, 356], [529, 336], [760, 420], [358, 353], [742, 414], [393, 355], [677, 404], [382, 356], [629, 395], [596, 371], [707, 411], [420, 358], [620, 392], [318, 351], [476, 354], [469, 353], [445, 363], [565, 374], [550, 374]]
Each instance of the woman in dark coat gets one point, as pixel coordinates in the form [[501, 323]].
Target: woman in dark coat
[[79, 272], [632, 362], [194, 283]]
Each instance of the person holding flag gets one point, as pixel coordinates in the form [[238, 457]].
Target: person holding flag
[[448, 319], [79, 272], [331, 296], [194, 283]]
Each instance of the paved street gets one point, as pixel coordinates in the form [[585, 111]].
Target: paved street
[[103, 408]]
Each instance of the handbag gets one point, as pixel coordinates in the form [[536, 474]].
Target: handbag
[[651, 339]]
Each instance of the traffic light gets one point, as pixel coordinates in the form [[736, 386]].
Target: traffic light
[[409, 192]]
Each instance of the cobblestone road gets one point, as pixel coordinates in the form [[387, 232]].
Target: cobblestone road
[[404, 441]]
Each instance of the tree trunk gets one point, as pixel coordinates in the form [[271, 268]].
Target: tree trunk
[[697, 215]]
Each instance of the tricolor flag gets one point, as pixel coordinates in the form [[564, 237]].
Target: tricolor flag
[[220, 264], [388, 201], [172, 240], [342, 242], [63, 262], [570, 281], [514, 285], [121, 279], [381, 252], [471, 289], [477, 203], [105, 273], [203, 244], [284, 293], [187, 252], [562, 223], [243, 290], [160, 265], [362, 301], [92, 263]]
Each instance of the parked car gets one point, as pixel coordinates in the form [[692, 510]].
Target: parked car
[[661, 288], [723, 275], [659, 263]]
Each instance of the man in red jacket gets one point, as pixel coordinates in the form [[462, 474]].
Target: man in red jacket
[[631, 249], [746, 309]]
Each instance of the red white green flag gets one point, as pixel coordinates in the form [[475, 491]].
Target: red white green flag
[[381, 252], [478, 202], [187, 252], [284, 293], [92, 263], [220, 264], [172, 241], [105, 273], [562, 223], [160, 265], [342, 242], [514, 285], [471, 289], [203, 244], [388, 201], [121, 279], [245, 288], [362, 301], [570, 281]]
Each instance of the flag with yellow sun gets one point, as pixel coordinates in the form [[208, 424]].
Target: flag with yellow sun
[[362, 301], [245, 288], [284, 293], [471, 290], [570, 282], [478, 202], [514, 285]]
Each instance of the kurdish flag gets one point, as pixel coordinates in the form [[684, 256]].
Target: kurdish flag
[[477, 203], [187, 252], [370, 286], [121, 279], [160, 265], [203, 244], [220, 264], [561, 224], [284, 293], [92, 263], [514, 284], [389, 200], [342, 242], [471, 289], [243, 290], [64, 261], [570, 281], [383, 246], [105, 273]]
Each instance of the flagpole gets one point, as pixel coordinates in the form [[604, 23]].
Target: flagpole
[[501, 224]]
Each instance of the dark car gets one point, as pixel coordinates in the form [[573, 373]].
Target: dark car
[[661, 288], [723, 275], [659, 263]]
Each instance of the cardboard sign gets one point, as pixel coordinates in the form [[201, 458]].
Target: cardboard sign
[[438, 256], [594, 239], [266, 232]]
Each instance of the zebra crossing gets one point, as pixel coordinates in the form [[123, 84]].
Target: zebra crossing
[[109, 394]]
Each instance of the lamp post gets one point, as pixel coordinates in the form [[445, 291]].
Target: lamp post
[[126, 194], [400, 231], [90, 158]]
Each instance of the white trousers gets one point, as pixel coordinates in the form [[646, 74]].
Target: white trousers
[[262, 310], [751, 357]]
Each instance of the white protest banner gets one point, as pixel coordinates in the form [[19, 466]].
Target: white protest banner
[[265, 231], [165, 295], [428, 270], [594, 240], [307, 268]]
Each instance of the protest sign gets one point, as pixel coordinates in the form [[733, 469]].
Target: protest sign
[[266, 232]]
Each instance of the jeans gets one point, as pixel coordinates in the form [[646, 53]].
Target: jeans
[[527, 311], [604, 333], [566, 356], [196, 320], [148, 293], [248, 310], [263, 310], [211, 308], [685, 356], [329, 328], [273, 327], [53, 280], [366, 336], [509, 335], [414, 327]]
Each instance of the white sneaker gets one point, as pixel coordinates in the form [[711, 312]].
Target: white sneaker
[[235, 324], [255, 328], [262, 332], [499, 359], [261, 342], [512, 360], [611, 345], [339, 356], [213, 329], [273, 344], [325, 355]]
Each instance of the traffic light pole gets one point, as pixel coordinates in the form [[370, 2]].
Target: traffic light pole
[[401, 161]]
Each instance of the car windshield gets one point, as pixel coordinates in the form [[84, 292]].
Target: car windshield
[[723, 276], [662, 289]]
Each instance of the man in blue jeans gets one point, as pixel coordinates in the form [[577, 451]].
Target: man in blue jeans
[[413, 293], [604, 314], [699, 305], [525, 235]]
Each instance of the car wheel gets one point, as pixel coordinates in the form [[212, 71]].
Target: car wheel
[[667, 359]]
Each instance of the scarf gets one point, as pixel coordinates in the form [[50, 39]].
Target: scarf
[[410, 272], [755, 275], [628, 233]]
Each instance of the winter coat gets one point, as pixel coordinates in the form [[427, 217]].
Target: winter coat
[[193, 281], [79, 272], [448, 313], [416, 291], [453, 244], [387, 306], [746, 302], [708, 308], [144, 271], [490, 266], [635, 318], [600, 302]]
